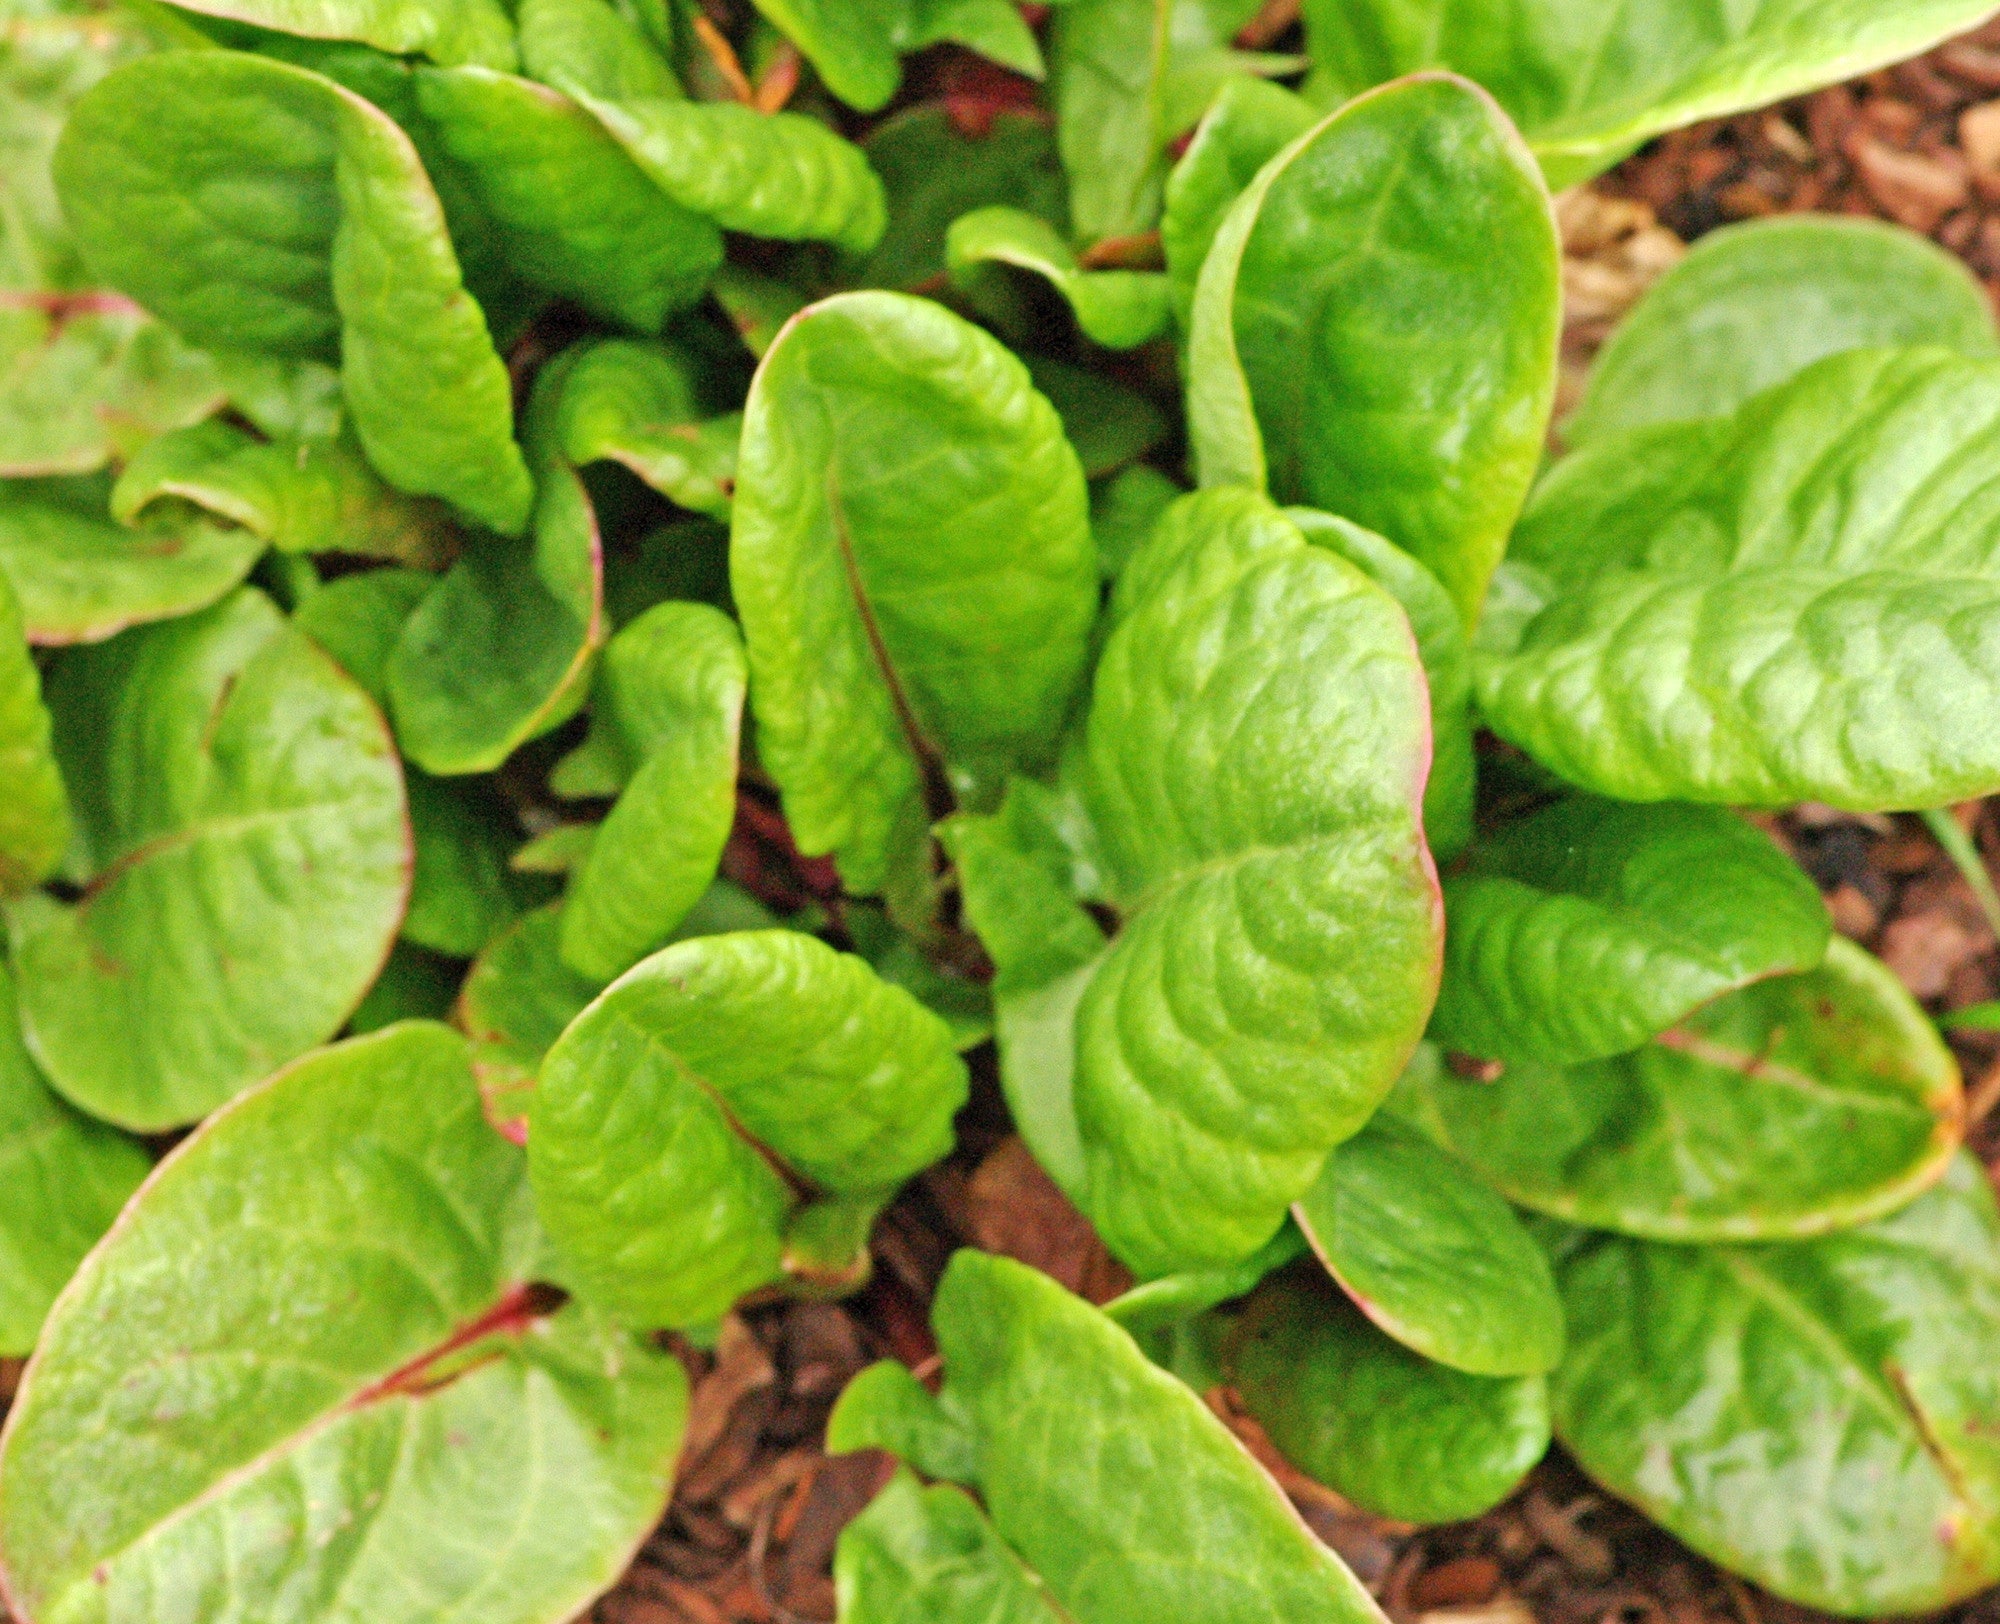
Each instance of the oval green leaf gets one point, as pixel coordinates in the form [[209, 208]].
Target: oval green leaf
[[361, 1365], [1817, 1417], [912, 558], [922, 1554], [1589, 927], [1434, 1258], [698, 1124], [1118, 309], [245, 857], [446, 31], [1375, 327], [1790, 1108]]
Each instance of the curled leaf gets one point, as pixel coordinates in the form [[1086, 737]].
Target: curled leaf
[[1118, 309]]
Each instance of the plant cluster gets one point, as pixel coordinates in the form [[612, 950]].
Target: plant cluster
[[1096, 518]]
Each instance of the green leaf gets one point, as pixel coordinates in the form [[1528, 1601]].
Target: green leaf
[[963, 1004], [358, 618], [933, 172], [242, 841], [595, 45], [1250, 124], [855, 44], [459, 896], [300, 496], [574, 215], [673, 683], [446, 31], [1756, 304], [517, 999], [1795, 1106], [78, 386], [1434, 1258], [368, 1411], [501, 649], [1108, 424], [886, 1407], [34, 816], [1786, 604], [1174, 1302], [1118, 309], [1816, 1416], [1107, 66], [1392, 1432], [643, 406], [1375, 328], [757, 306], [1447, 657], [912, 560], [1123, 511], [1590, 927], [702, 1118], [1252, 764], [919, 1554], [415, 984], [80, 577], [66, 1178], [1589, 82], [333, 234], [1108, 1480]]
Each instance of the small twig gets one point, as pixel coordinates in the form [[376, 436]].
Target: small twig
[[780, 79], [723, 55], [1949, 833]]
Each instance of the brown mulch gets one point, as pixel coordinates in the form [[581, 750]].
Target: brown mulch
[[758, 1507]]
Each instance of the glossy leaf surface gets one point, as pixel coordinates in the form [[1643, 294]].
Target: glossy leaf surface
[[642, 405], [1757, 303], [1392, 1432], [332, 239], [855, 46], [684, 1117], [1405, 246], [1432, 1256], [361, 1366], [34, 816], [921, 1554], [1817, 1416], [241, 826], [1790, 603], [1118, 309], [1793, 1107], [912, 560], [1589, 927], [446, 31]]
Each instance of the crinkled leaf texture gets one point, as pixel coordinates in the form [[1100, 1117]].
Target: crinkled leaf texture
[[674, 681], [1589, 80], [367, 1411], [643, 406], [1818, 1416], [245, 853], [1375, 327], [34, 813], [1117, 1492], [1391, 1431], [446, 31], [62, 1180], [1754, 304], [1250, 771], [80, 577], [1792, 1107], [1591, 926], [1800, 601], [721, 1109], [257, 205], [912, 559], [1118, 309], [1434, 1258]]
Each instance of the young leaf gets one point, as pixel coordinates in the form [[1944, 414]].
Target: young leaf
[[643, 406], [922, 1554], [66, 1178], [1433, 1257], [886, 1407], [855, 44], [673, 684], [596, 46], [358, 618], [447, 31], [1789, 1108], [246, 859], [1590, 927], [730, 1111], [1118, 309], [362, 1365], [459, 896], [1790, 603], [1108, 61], [335, 235], [1252, 766], [34, 814], [78, 386], [80, 577], [1375, 328], [517, 999], [1392, 1432], [1590, 82], [300, 496], [1817, 1416], [912, 559], [1123, 511], [1108, 1480], [1758, 303]]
